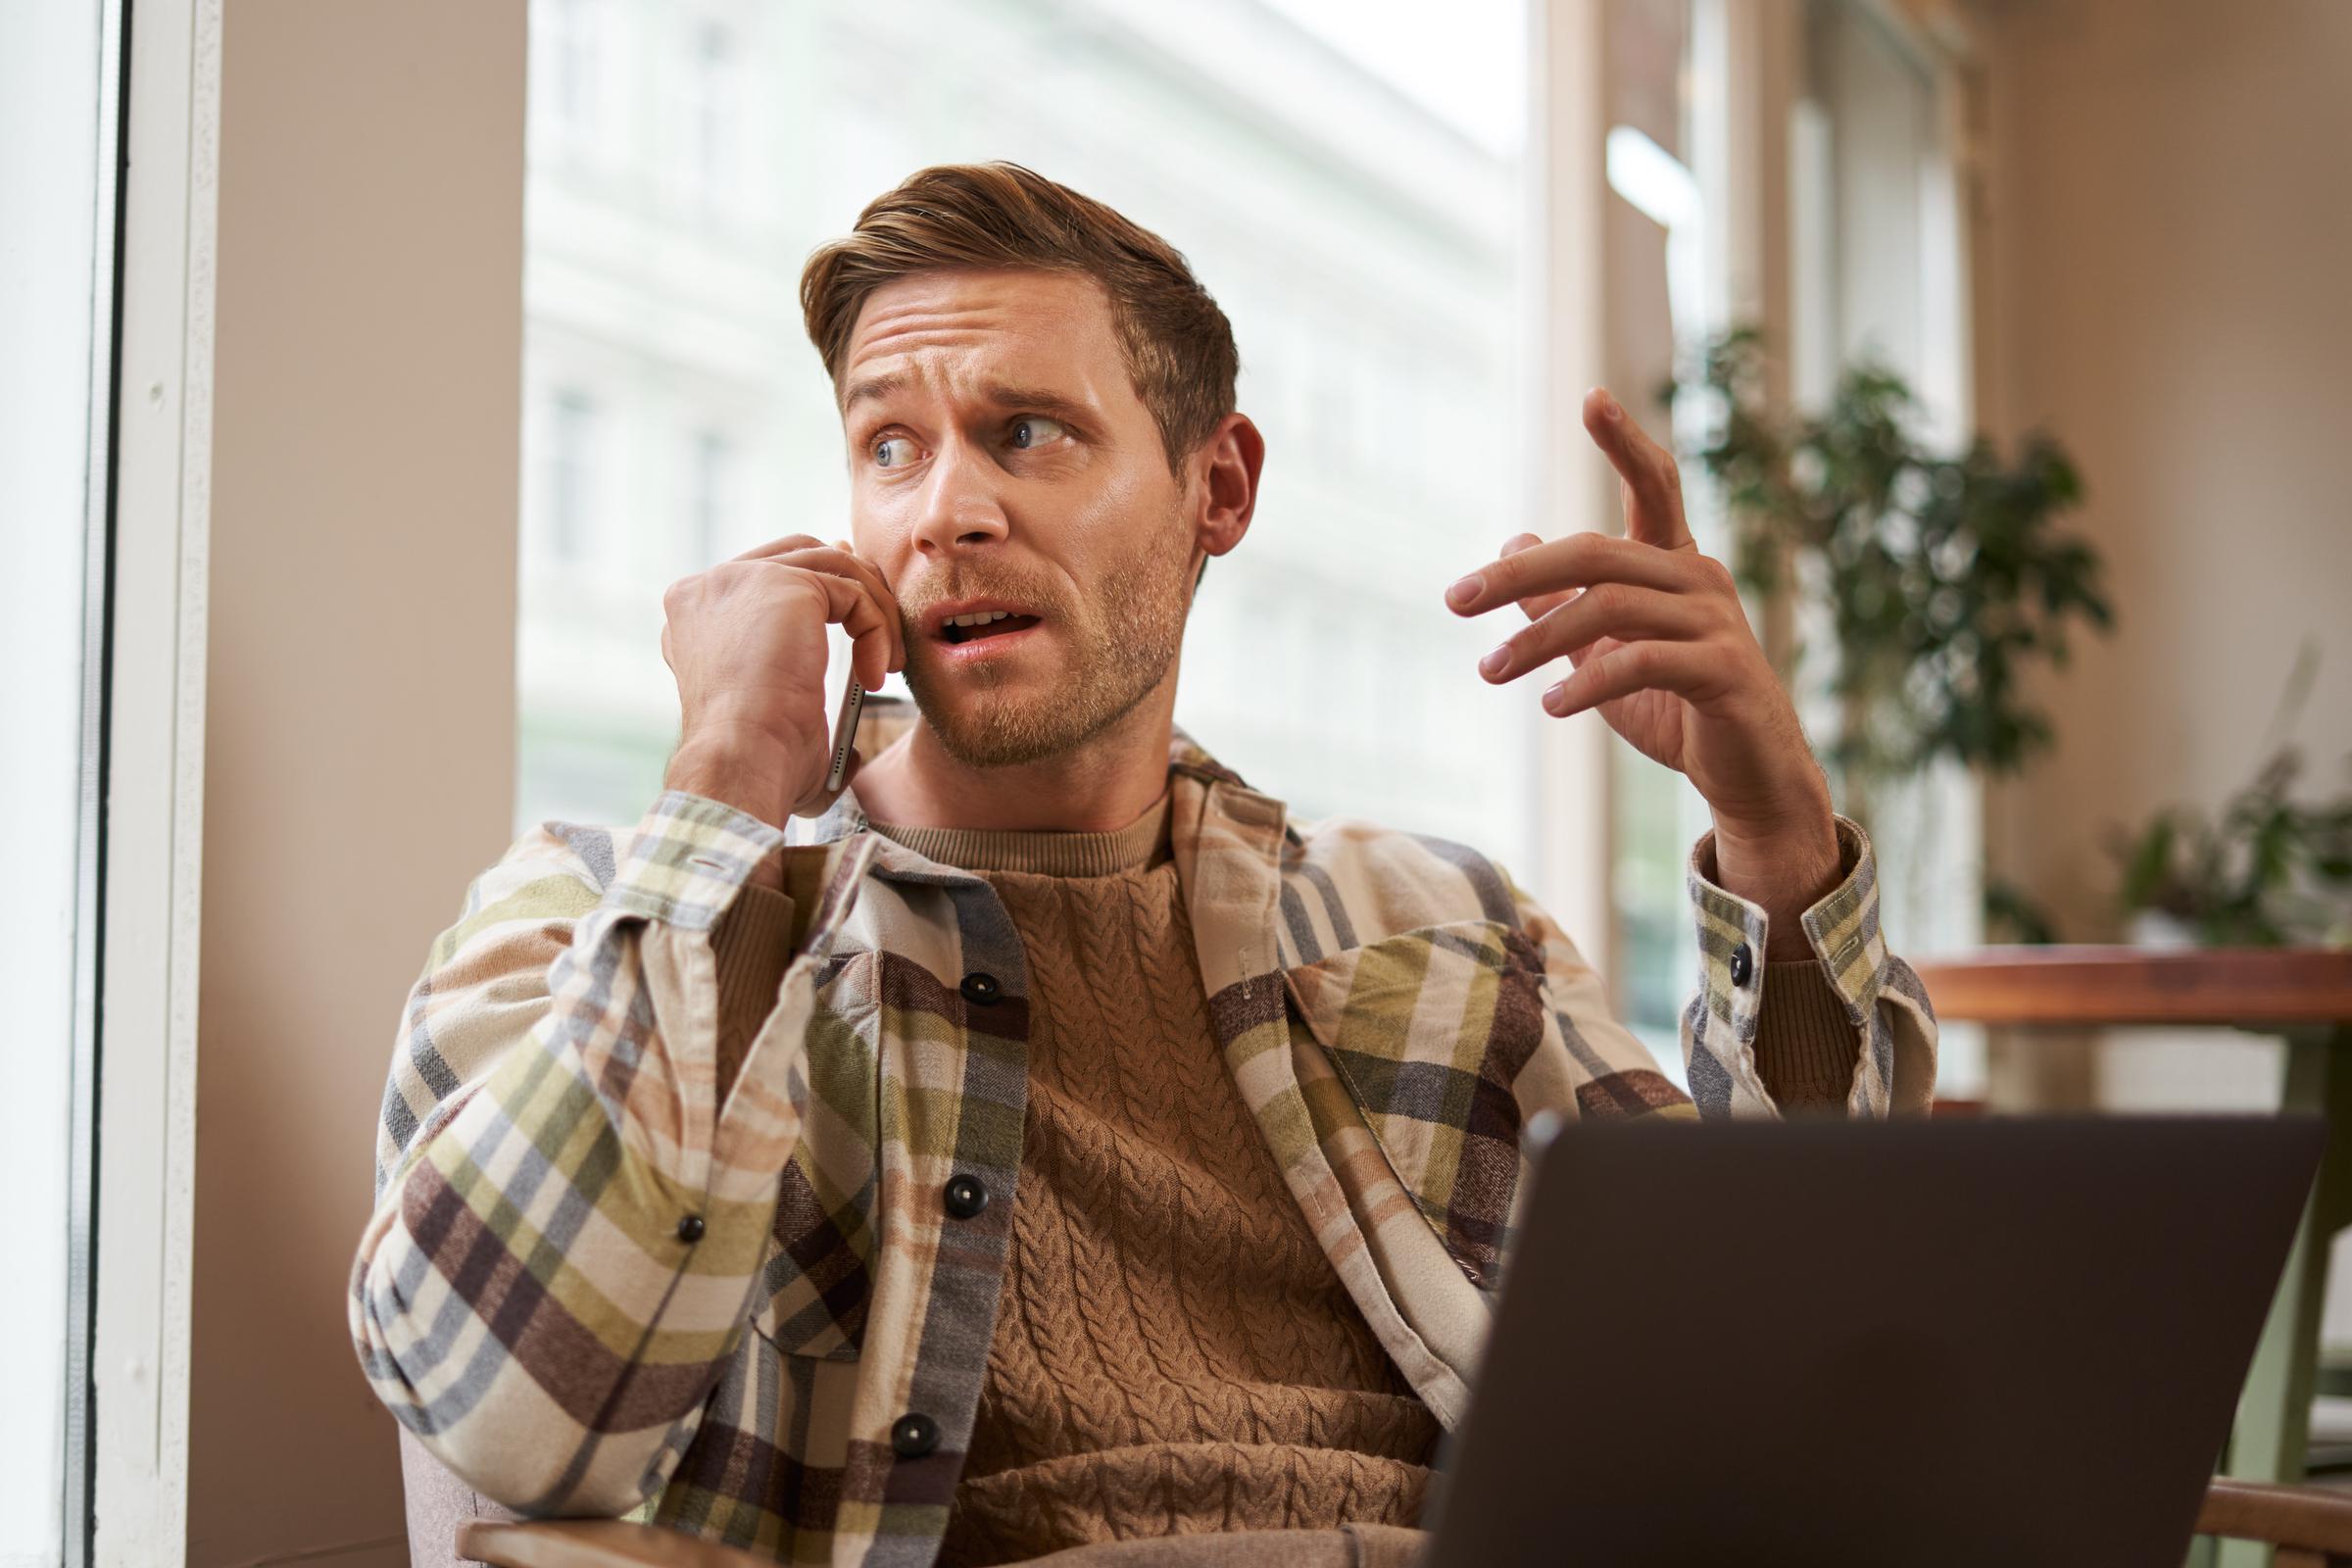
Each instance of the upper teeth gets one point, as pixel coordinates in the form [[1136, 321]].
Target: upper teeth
[[980, 620]]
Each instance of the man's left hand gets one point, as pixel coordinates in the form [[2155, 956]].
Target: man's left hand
[[1660, 645]]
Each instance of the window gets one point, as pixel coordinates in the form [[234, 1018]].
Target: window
[[1874, 253], [1348, 185], [1653, 160], [714, 108], [56, 273], [571, 483], [576, 63], [711, 498], [1876, 273]]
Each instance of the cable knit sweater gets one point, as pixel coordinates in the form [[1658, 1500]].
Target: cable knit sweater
[[1173, 1355]]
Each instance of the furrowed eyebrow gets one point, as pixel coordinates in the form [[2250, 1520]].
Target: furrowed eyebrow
[[872, 386], [1004, 395], [1036, 400]]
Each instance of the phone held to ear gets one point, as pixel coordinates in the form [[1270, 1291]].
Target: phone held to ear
[[845, 731]]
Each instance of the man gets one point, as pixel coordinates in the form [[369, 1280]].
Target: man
[[1048, 1147]]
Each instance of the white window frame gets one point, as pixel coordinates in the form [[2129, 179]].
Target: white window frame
[[1571, 486], [155, 812]]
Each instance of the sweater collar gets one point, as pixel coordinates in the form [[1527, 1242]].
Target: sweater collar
[[883, 719]]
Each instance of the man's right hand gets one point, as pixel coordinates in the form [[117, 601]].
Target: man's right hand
[[746, 640]]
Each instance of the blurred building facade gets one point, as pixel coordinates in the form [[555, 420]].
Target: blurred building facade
[[684, 158]]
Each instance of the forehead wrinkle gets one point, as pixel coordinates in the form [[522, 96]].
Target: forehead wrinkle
[[903, 347], [923, 318], [977, 344]]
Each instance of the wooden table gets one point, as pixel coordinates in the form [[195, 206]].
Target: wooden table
[[2302, 994]]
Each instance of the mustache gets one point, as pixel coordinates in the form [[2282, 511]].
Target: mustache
[[1040, 597]]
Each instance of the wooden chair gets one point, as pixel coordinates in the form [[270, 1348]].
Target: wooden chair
[[2307, 1527]]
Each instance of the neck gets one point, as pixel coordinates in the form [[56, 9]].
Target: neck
[[1100, 785]]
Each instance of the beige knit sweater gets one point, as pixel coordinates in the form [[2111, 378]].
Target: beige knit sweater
[[1173, 1353]]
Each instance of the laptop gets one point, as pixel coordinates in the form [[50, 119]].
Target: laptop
[[2014, 1341]]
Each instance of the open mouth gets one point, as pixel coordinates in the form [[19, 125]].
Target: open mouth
[[987, 623]]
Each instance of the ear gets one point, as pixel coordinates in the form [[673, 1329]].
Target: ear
[[1227, 467]]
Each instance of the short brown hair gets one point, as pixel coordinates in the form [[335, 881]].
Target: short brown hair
[[1177, 343]]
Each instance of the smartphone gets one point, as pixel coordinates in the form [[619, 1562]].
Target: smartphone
[[846, 707], [844, 730]]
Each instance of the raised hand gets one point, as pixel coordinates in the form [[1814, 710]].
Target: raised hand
[[746, 640], [1658, 641]]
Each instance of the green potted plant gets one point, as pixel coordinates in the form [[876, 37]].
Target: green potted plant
[[1946, 577], [2266, 870]]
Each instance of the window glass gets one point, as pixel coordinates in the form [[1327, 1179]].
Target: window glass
[[56, 274], [570, 481], [714, 111], [1874, 270], [1652, 154], [1878, 276], [1345, 179]]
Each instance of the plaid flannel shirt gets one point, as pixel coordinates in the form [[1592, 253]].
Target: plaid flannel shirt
[[592, 1288]]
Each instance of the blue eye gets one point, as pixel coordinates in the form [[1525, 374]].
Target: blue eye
[[894, 452], [1035, 430]]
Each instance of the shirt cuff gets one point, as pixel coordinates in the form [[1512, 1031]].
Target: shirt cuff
[[1841, 927], [688, 859], [1727, 1014]]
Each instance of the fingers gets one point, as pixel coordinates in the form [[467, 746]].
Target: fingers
[[810, 551], [1611, 610], [1689, 670], [1572, 561], [777, 547], [1534, 605], [850, 605], [1653, 484], [839, 558]]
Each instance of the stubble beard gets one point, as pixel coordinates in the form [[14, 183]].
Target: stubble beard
[[1121, 647]]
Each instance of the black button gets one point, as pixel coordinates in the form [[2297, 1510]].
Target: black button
[[966, 1195], [690, 1229], [913, 1434], [981, 988], [1743, 965]]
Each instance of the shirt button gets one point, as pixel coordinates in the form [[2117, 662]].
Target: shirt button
[[966, 1195], [913, 1434], [1743, 965], [981, 988], [690, 1229]]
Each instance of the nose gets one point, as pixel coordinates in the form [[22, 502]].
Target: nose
[[960, 509]]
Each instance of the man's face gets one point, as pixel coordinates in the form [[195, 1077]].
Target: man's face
[[1000, 458]]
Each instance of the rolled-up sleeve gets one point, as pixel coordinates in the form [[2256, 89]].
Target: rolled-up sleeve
[[1740, 1040]]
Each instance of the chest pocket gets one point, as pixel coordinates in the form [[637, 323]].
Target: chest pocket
[[1429, 1030], [818, 1277]]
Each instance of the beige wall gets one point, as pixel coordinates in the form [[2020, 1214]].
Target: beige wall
[[2169, 288], [360, 739]]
